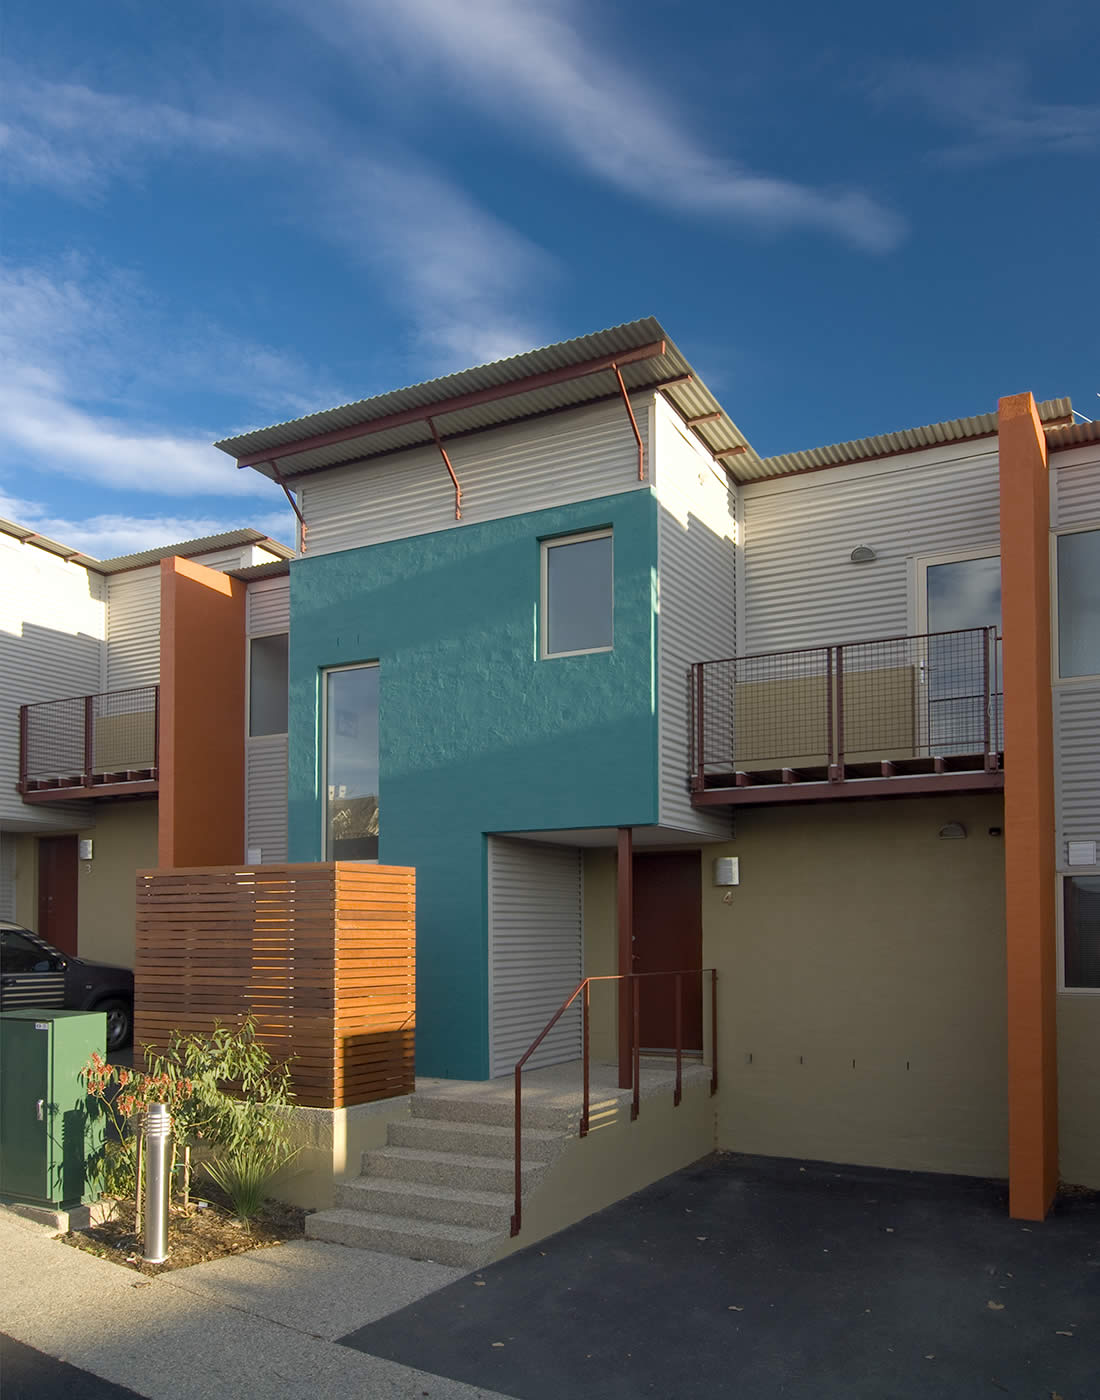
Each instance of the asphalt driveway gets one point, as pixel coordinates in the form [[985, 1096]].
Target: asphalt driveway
[[757, 1277]]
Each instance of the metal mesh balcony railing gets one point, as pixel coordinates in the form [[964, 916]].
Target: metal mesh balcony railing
[[89, 740], [822, 711]]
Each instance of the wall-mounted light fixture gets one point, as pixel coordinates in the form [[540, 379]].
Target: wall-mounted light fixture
[[953, 831], [727, 870], [862, 554]]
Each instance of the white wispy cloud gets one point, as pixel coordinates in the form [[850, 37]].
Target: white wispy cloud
[[538, 70], [104, 536], [464, 277], [85, 362], [992, 107], [77, 139]]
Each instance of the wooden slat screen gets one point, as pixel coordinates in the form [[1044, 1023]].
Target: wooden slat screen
[[323, 956]]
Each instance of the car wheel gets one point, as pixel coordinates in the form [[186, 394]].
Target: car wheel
[[120, 1022]]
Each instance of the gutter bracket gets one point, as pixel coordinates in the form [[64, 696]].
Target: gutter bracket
[[633, 422], [291, 501], [447, 464]]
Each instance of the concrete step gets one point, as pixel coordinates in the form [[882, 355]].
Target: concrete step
[[454, 1169], [487, 1210], [474, 1139], [499, 1112], [461, 1246]]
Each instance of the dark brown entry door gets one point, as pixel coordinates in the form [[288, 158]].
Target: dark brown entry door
[[668, 937], [57, 891]]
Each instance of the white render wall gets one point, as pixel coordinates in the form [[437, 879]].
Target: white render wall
[[53, 621], [801, 588], [697, 567], [550, 461]]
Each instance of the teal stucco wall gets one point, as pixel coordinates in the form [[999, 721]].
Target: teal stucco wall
[[477, 734]]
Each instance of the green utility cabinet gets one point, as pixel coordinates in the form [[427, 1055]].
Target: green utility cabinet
[[49, 1130]]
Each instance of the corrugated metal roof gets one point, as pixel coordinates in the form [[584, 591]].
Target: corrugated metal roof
[[122, 562], [692, 398], [277, 568], [1051, 411], [186, 548], [1072, 435]]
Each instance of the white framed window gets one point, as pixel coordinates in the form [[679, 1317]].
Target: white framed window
[[1079, 933], [267, 684], [1076, 567], [957, 589], [349, 762], [577, 594]]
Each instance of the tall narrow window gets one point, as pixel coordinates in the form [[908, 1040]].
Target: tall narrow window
[[577, 594], [351, 763], [1081, 931], [959, 670], [1079, 604], [267, 678]]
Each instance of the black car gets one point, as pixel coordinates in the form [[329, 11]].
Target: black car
[[35, 973]]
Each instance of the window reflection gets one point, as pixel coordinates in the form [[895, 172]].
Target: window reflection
[[351, 763]]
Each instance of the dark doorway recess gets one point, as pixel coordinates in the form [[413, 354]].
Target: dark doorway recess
[[668, 937]]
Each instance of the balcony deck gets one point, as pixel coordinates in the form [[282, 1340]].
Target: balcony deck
[[90, 746], [887, 718]]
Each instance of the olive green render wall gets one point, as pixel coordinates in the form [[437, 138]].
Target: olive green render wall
[[124, 840]]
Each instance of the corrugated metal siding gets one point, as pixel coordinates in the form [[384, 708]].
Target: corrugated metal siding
[[801, 588], [265, 796], [52, 627], [574, 456], [535, 950], [1075, 489], [1076, 765], [7, 876], [268, 607], [696, 553], [133, 629]]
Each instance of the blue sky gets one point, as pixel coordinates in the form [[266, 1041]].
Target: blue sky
[[851, 218]]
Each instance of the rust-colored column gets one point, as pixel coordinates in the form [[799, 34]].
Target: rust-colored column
[[202, 720], [1029, 811], [625, 884]]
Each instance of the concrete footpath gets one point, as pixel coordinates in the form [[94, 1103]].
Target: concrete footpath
[[260, 1324]]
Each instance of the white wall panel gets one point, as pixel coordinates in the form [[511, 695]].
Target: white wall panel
[[265, 796], [535, 950], [696, 553], [52, 630], [1075, 487], [551, 461], [1076, 765], [7, 876], [268, 606], [133, 628], [801, 588]]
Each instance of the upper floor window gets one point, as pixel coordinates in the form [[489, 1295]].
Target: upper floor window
[[577, 594], [267, 681], [1079, 604], [351, 762]]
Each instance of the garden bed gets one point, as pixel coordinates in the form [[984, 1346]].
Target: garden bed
[[207, 1230]]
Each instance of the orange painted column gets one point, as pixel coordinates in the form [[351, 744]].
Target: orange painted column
[[202, 718], [1029, 811]]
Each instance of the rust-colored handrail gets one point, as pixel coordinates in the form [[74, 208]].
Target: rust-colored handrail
[[583, 990]]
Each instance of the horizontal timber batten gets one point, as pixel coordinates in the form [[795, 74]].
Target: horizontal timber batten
[[323, 956]]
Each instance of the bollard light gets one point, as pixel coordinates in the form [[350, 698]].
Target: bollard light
[[158, 1131]]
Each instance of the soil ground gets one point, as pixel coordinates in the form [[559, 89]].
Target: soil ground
[[208, 1230]]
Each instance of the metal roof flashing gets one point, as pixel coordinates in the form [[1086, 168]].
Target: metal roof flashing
[[121, 563]]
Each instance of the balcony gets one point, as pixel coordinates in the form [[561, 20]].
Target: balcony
[[883, 718], [90, 746]]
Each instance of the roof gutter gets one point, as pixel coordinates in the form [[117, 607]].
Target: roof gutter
[[454, 405]]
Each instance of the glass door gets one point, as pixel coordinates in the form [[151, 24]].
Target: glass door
[[959, 669]]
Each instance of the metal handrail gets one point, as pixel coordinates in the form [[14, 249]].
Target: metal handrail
[[83, 715], [584, 987]]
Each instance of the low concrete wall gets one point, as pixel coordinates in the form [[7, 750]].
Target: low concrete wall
[[617, 1158], [332, 1142]]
